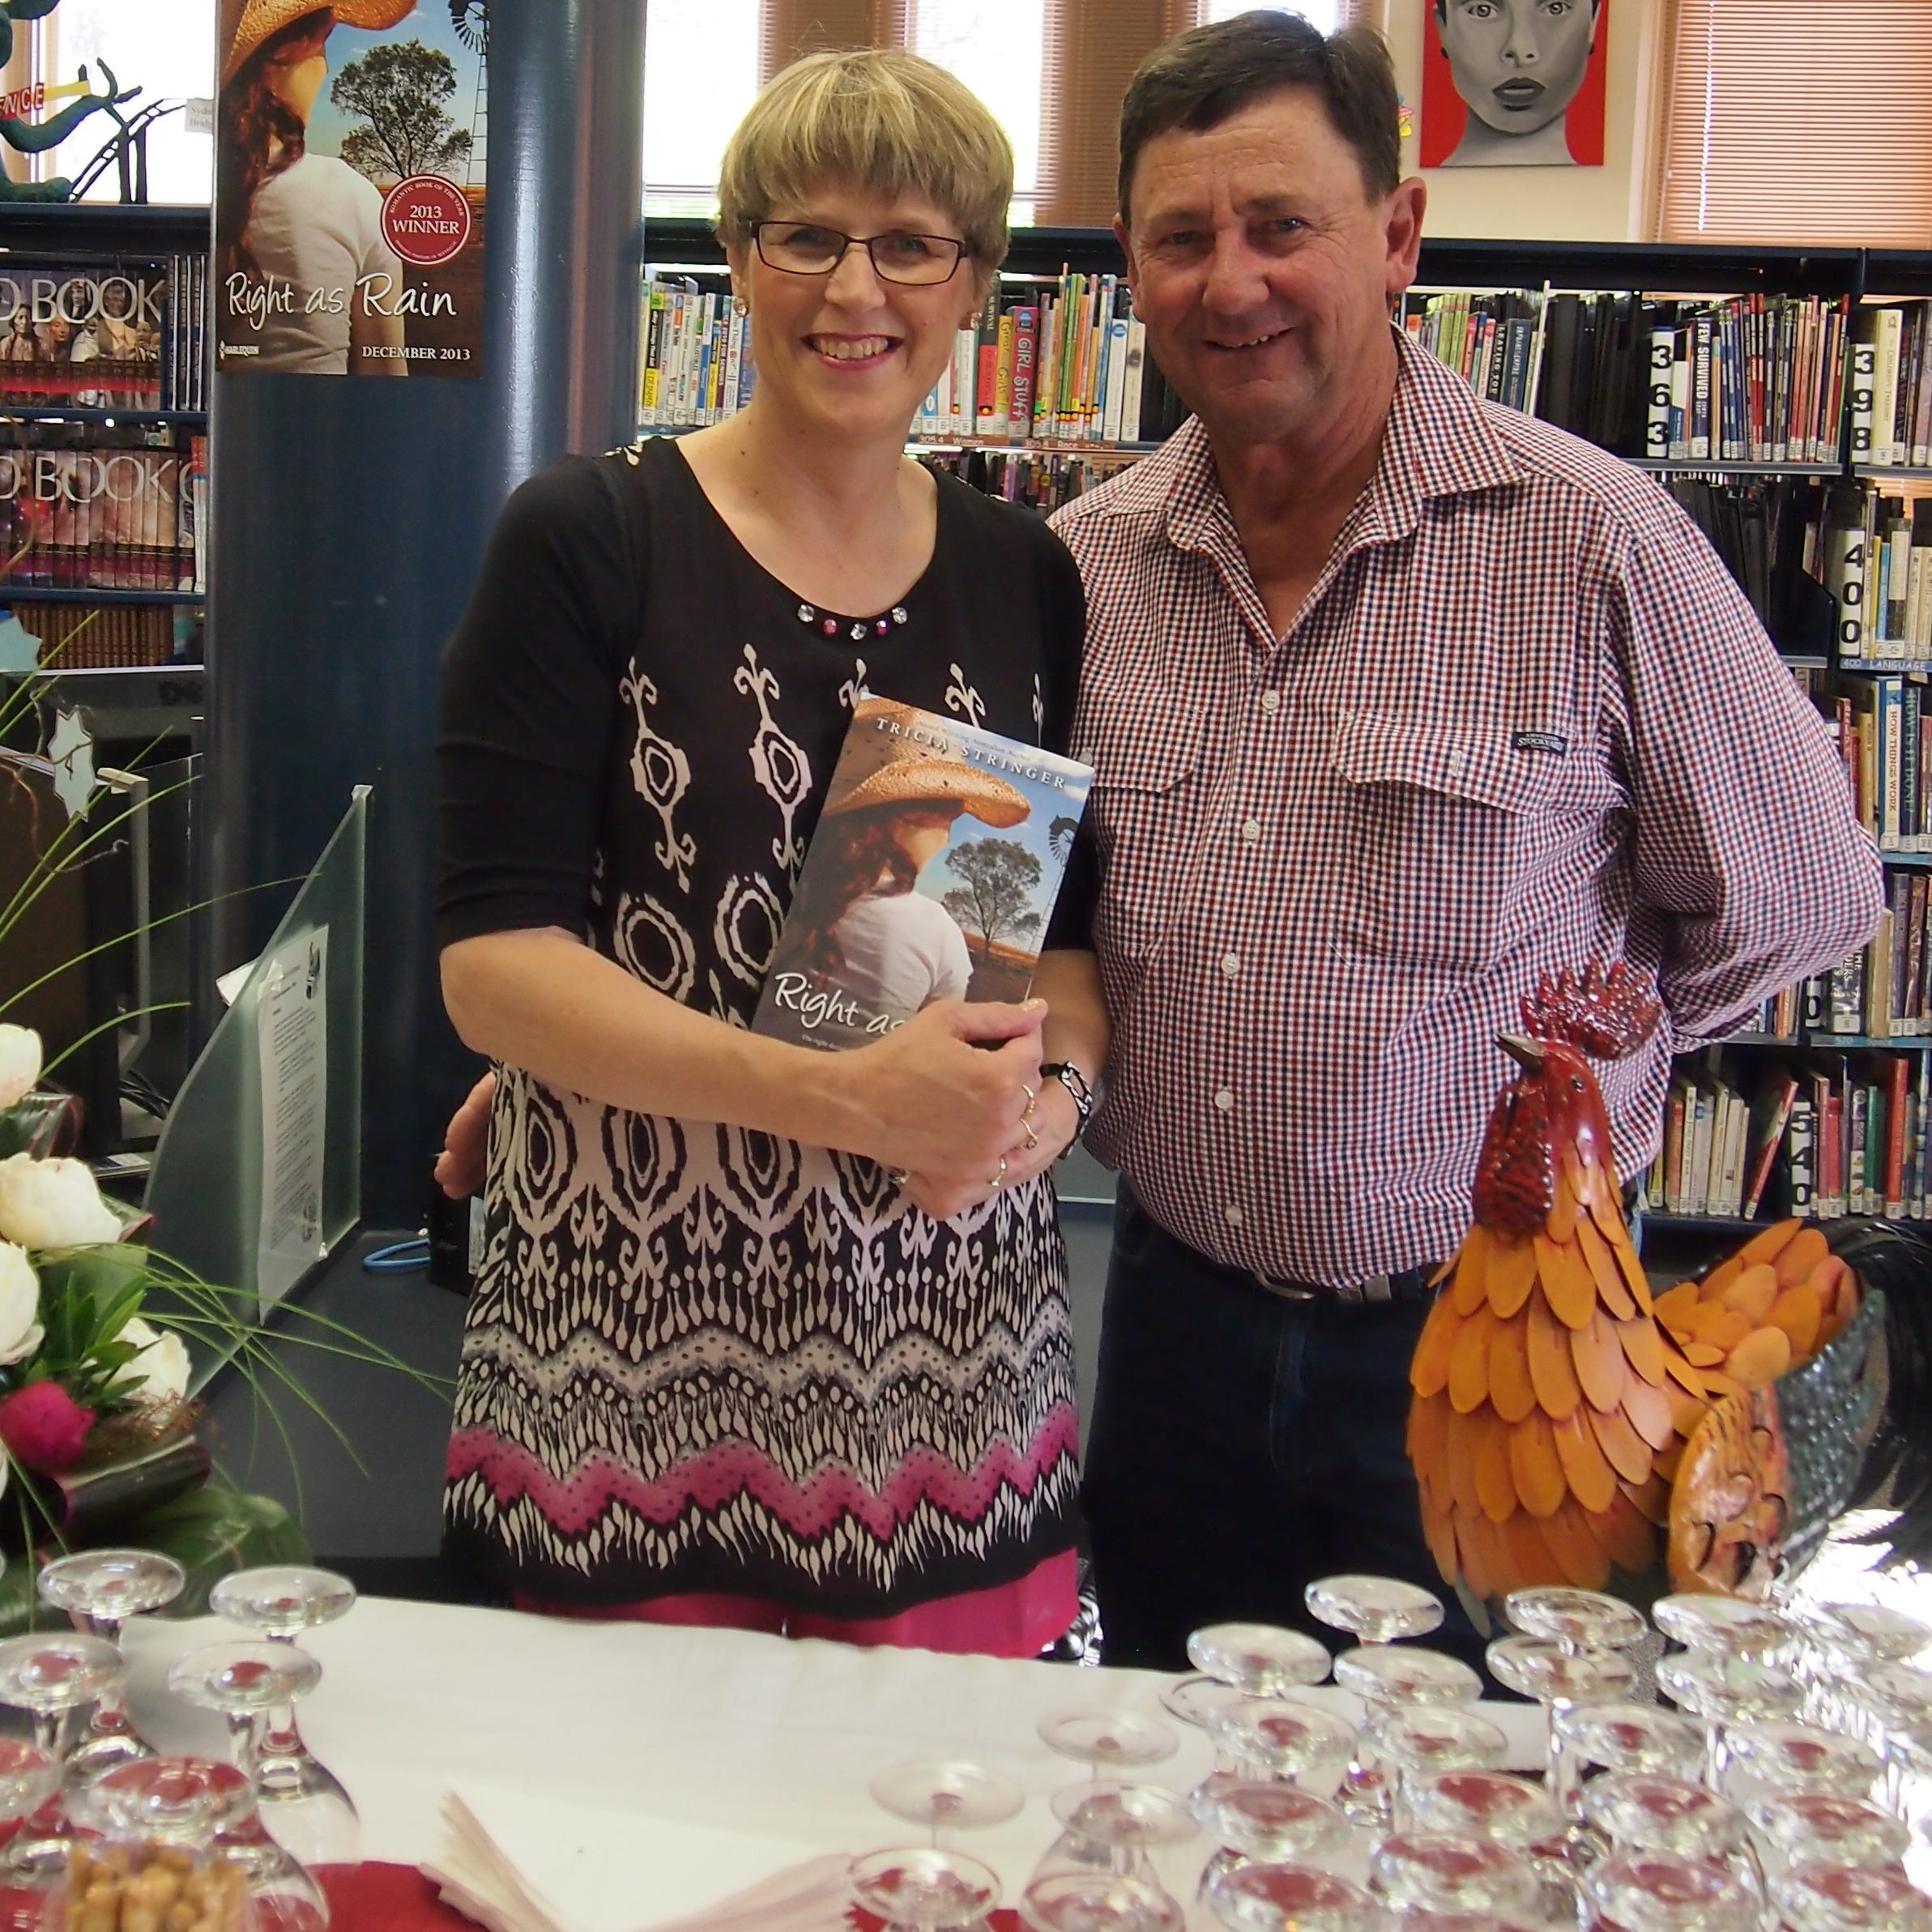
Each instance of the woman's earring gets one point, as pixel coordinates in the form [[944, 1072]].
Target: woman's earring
[[739, 306]]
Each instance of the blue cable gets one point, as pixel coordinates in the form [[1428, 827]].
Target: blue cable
[[399, 1257]]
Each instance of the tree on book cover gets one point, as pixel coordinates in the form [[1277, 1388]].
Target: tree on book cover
[[931, 876]]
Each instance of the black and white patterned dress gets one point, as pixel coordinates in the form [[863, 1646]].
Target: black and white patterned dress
[[701, 1359]]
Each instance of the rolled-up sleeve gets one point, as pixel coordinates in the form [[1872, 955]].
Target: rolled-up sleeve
[[1750, 859]]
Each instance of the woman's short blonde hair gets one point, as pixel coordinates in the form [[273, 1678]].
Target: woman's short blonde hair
[[880, 119]]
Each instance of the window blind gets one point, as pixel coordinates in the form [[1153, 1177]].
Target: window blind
[[1791, 121], [788, 28]]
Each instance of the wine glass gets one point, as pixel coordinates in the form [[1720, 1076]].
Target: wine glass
[[1420, 1739], [99, 1589], [1637, 1813], [1269, 1823], [947, 1794], [1666, 1892], [1449, 1871], [1128, 1820], [1897, 1701], [1821, 1827], [1288, 1898], [1373, 1610], [1510, 1811], [1098, 1901], [1779, 1760], [921, 1889], [1631, 1736], [1535, 1668], [1725, 1690], [49, 1676], [1727, 1625], [1851, 1898], [1121, 1740], [1300, 1743], [1259, 1659], [243, 1683], [282, 1600], [1872, 1632], [1388, 1676], [1575, 1620]]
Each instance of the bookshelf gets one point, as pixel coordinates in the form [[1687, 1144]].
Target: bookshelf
[[104, 390]]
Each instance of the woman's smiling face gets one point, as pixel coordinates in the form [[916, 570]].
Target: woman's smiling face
[[1518, 63]]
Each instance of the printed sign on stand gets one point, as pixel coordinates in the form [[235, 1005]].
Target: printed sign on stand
[[292, 1034]]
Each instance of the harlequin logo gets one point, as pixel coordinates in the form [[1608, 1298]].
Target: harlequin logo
[[425, 220]]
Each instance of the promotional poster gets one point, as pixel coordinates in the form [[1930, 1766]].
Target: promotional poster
[[1513, 83], [349, 202], [931, 876]]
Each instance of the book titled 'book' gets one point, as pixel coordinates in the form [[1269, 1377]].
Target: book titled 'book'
[[931, 876]]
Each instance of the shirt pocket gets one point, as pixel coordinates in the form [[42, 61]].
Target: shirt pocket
[[1445, 826], [1144, 793]]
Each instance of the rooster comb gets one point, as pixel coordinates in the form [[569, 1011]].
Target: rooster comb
[[1610, 1012]]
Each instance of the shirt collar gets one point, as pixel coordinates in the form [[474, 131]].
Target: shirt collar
[[1439, 442]]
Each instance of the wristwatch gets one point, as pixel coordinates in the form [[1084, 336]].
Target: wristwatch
[[1075, 1081]]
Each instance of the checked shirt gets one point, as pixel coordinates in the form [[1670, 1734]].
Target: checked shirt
[[1523, 719]]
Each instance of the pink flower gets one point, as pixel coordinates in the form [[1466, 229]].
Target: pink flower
[[44, 1427]]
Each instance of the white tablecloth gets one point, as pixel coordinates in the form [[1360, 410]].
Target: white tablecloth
[[759, 1738]]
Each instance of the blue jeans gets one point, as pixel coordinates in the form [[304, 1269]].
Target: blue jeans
[[1243, 1445]]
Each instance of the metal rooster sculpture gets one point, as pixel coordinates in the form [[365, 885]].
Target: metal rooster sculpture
[[1562, 1429]]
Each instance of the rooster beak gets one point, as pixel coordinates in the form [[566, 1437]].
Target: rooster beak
[[1526, 1052]]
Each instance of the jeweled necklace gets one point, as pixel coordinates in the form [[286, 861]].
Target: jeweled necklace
[[861, 629]]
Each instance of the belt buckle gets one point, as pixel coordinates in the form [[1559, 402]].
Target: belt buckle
[[1287, 1291]]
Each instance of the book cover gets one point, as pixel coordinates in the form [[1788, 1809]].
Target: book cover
[[930, 876], [1770, 1117]]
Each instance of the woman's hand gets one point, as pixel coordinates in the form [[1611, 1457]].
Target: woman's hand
[[459, 1167], [1054, 1121], [943, 1095]]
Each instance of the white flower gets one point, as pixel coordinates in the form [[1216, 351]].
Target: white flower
[[159, 1372], [20, 1331], [20, 1062], [52, 1204]]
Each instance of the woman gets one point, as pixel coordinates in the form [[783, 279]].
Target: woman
[[1517, 64], [762, 1335], [307, 225]]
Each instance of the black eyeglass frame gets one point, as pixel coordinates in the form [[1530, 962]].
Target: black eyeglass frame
[[869, 243]]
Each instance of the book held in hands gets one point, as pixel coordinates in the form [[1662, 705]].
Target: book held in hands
[[931, 876]]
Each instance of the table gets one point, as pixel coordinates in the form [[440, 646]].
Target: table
[[669, 1736]]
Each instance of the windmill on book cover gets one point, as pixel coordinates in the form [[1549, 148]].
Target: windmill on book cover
[[931, 876]]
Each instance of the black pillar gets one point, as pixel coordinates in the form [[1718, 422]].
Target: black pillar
[[349, 516]]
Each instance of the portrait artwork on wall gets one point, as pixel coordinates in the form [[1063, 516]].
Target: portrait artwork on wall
[[1513, 83]]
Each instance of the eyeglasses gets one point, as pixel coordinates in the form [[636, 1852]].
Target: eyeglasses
[[803, 248]]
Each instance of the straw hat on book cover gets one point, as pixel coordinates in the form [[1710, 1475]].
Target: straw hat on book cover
[[897, 768], [246, 24]]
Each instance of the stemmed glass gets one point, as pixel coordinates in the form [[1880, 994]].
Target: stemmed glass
[[305, 1806], [1664, 1891], [1373, 1610], [1575, 1620], [1848, 1639], [1631, 1736], [1765, 1761], [1844, 1898], [99, 1589], [1640, 1813], [1288, 1898], [1269, 1823], [1423, 1739], [1128, 1820], [1819, 1827], [1896, 1699], [1509, 1811], [1447, 1871], [1098, 1901], [921, 1889], [1554, 1677], [1097, 1876], [1257, 1659], [947, 1794], [50, 1677], [1727, 1625], [1388, 1677], [1299, 1743], [1725, 1690], [1122, 1741]]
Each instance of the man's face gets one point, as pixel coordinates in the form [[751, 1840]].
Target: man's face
[[1263, 267], [1518, 63]]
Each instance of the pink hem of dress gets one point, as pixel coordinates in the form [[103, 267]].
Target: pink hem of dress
[[1016, 1620]]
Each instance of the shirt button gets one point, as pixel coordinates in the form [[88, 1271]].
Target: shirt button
[[1456, 761], [1231, 1214], [1271, 702], [1224, 1100], [1251, 830], [1230, 964]]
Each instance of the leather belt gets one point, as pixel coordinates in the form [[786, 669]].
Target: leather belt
[[1404, 1285]]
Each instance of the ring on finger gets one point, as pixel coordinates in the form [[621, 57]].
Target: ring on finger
[[1032, 1095], [999, 1180], [1033, 1139]]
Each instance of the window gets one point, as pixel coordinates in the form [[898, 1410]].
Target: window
[[996, 47], [1789, 122], [168, 51], [701, 73]]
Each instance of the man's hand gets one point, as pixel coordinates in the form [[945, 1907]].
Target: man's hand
[[1054, 1121], [459, 1167]]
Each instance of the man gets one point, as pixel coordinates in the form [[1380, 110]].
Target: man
[[1398, 699]]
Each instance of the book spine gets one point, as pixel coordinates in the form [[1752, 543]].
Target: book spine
[[1115, 428], [1865, 366], [1656, 416], [1801, 1148], [1026, 355]]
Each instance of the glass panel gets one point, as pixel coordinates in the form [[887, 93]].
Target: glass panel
[[215, 1163], [997, 47], [685, 127]]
